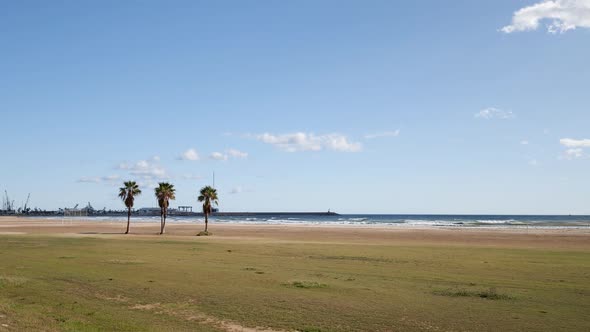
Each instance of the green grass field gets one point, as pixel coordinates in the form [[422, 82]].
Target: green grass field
[[207, 284]]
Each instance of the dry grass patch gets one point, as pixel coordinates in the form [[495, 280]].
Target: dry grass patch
[[6, 280]]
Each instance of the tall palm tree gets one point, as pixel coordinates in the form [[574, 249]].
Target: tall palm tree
[[164, 193], [127, 193], [208, 195]]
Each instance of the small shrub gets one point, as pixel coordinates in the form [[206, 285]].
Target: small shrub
[[493, 294], [203, 233], [490, 294], [124, 261], [306, 284]]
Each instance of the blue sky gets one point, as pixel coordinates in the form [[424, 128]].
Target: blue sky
[[356, 106]]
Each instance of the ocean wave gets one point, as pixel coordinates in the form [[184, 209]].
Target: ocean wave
[[353, 219], [360, 220], [495, 221]]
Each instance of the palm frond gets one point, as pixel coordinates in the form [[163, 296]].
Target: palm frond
[[207, 195], [128, 192]]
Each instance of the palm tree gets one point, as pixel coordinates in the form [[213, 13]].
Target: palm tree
[[208, 195], [127, 193], [164, 193]]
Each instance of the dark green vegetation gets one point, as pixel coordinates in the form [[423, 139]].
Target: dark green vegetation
[[209, 284]]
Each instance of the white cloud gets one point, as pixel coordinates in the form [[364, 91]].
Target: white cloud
[[148, 183], [574, 153], [190, 154], [563, 15], [123, 166], [99, 179], [155, 172], [394, 133], [144, 172], [230, 153], [575, 143], [574, 147], [525, 142], [145, 169], [237, 153], [89, 179], [310, 142], [191, 177], [494, 113], [218, 156], [111, 178], [236, 190], [533, 162]]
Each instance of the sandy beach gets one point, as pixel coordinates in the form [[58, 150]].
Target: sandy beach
[[554, 238]]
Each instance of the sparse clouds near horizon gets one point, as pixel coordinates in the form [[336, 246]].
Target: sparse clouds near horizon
[[563, 15], [494, 113], [300, 141], [382, 134]]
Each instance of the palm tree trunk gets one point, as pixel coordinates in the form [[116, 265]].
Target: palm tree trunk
[[206, 220], [128, 219], [164, 226], [161, 223]]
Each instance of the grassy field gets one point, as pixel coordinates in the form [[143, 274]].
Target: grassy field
[[57, 283]]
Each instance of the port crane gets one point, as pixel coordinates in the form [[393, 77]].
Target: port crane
[[25, 208], [7, 204]]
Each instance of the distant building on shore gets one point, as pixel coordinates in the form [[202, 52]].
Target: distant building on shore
[[148, 211]]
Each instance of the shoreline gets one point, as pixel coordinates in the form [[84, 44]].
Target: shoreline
[[416, 224], [7, 221]]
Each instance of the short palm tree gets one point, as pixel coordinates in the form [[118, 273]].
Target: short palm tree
[[127, 193], [208, 196], [164, 193]]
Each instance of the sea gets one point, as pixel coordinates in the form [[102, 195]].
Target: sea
[[376, 220]]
